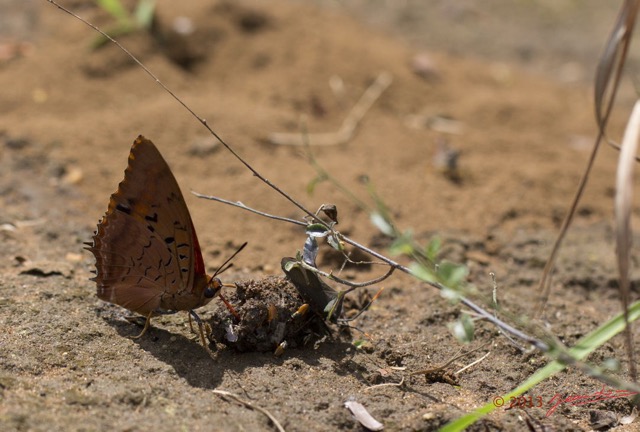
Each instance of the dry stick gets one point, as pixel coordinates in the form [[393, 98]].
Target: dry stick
[[504, 326], [398, 384], [349, 124], [223, 393], [252, 210], [324, 174], [473, 363], [448, 362], [345, 282]]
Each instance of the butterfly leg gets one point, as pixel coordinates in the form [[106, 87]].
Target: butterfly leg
[[190, 324], [146, 327], [202, 327]]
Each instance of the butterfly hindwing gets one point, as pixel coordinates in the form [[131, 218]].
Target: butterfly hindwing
[[145, 246]]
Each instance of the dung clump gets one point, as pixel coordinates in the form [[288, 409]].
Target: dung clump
[[267, 310]]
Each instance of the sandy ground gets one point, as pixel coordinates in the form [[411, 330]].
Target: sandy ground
[[518, 110]]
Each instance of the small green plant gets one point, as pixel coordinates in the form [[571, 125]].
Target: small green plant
[[126, 22]]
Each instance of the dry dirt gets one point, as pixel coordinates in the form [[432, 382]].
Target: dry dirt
[[523, 130]]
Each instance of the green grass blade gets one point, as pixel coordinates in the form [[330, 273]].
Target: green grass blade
[[582, 349], [115, 9]]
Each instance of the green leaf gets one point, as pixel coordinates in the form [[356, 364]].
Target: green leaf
[[403, 245], [359, 343], [452, 274], [288, 265], [423, 273], [144, 12], [115, 9], [463, 329], [380, 222], [331, 307], [450, 294], [433, 248], [335, 243]]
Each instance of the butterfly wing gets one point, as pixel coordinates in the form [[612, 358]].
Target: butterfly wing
[[146, 248]]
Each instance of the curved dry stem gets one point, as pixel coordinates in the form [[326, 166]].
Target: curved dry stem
[[345, 282], [248, 404]]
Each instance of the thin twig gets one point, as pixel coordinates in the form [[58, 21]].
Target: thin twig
[[251, 209], [472, 364], [448, 362], [385, 385], [344, 281], [248, 404]]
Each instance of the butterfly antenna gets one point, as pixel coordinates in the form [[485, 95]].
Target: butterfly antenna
[[224, 269], [226, 265]]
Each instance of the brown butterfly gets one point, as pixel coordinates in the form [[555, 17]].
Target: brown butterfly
[[148, 258]]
